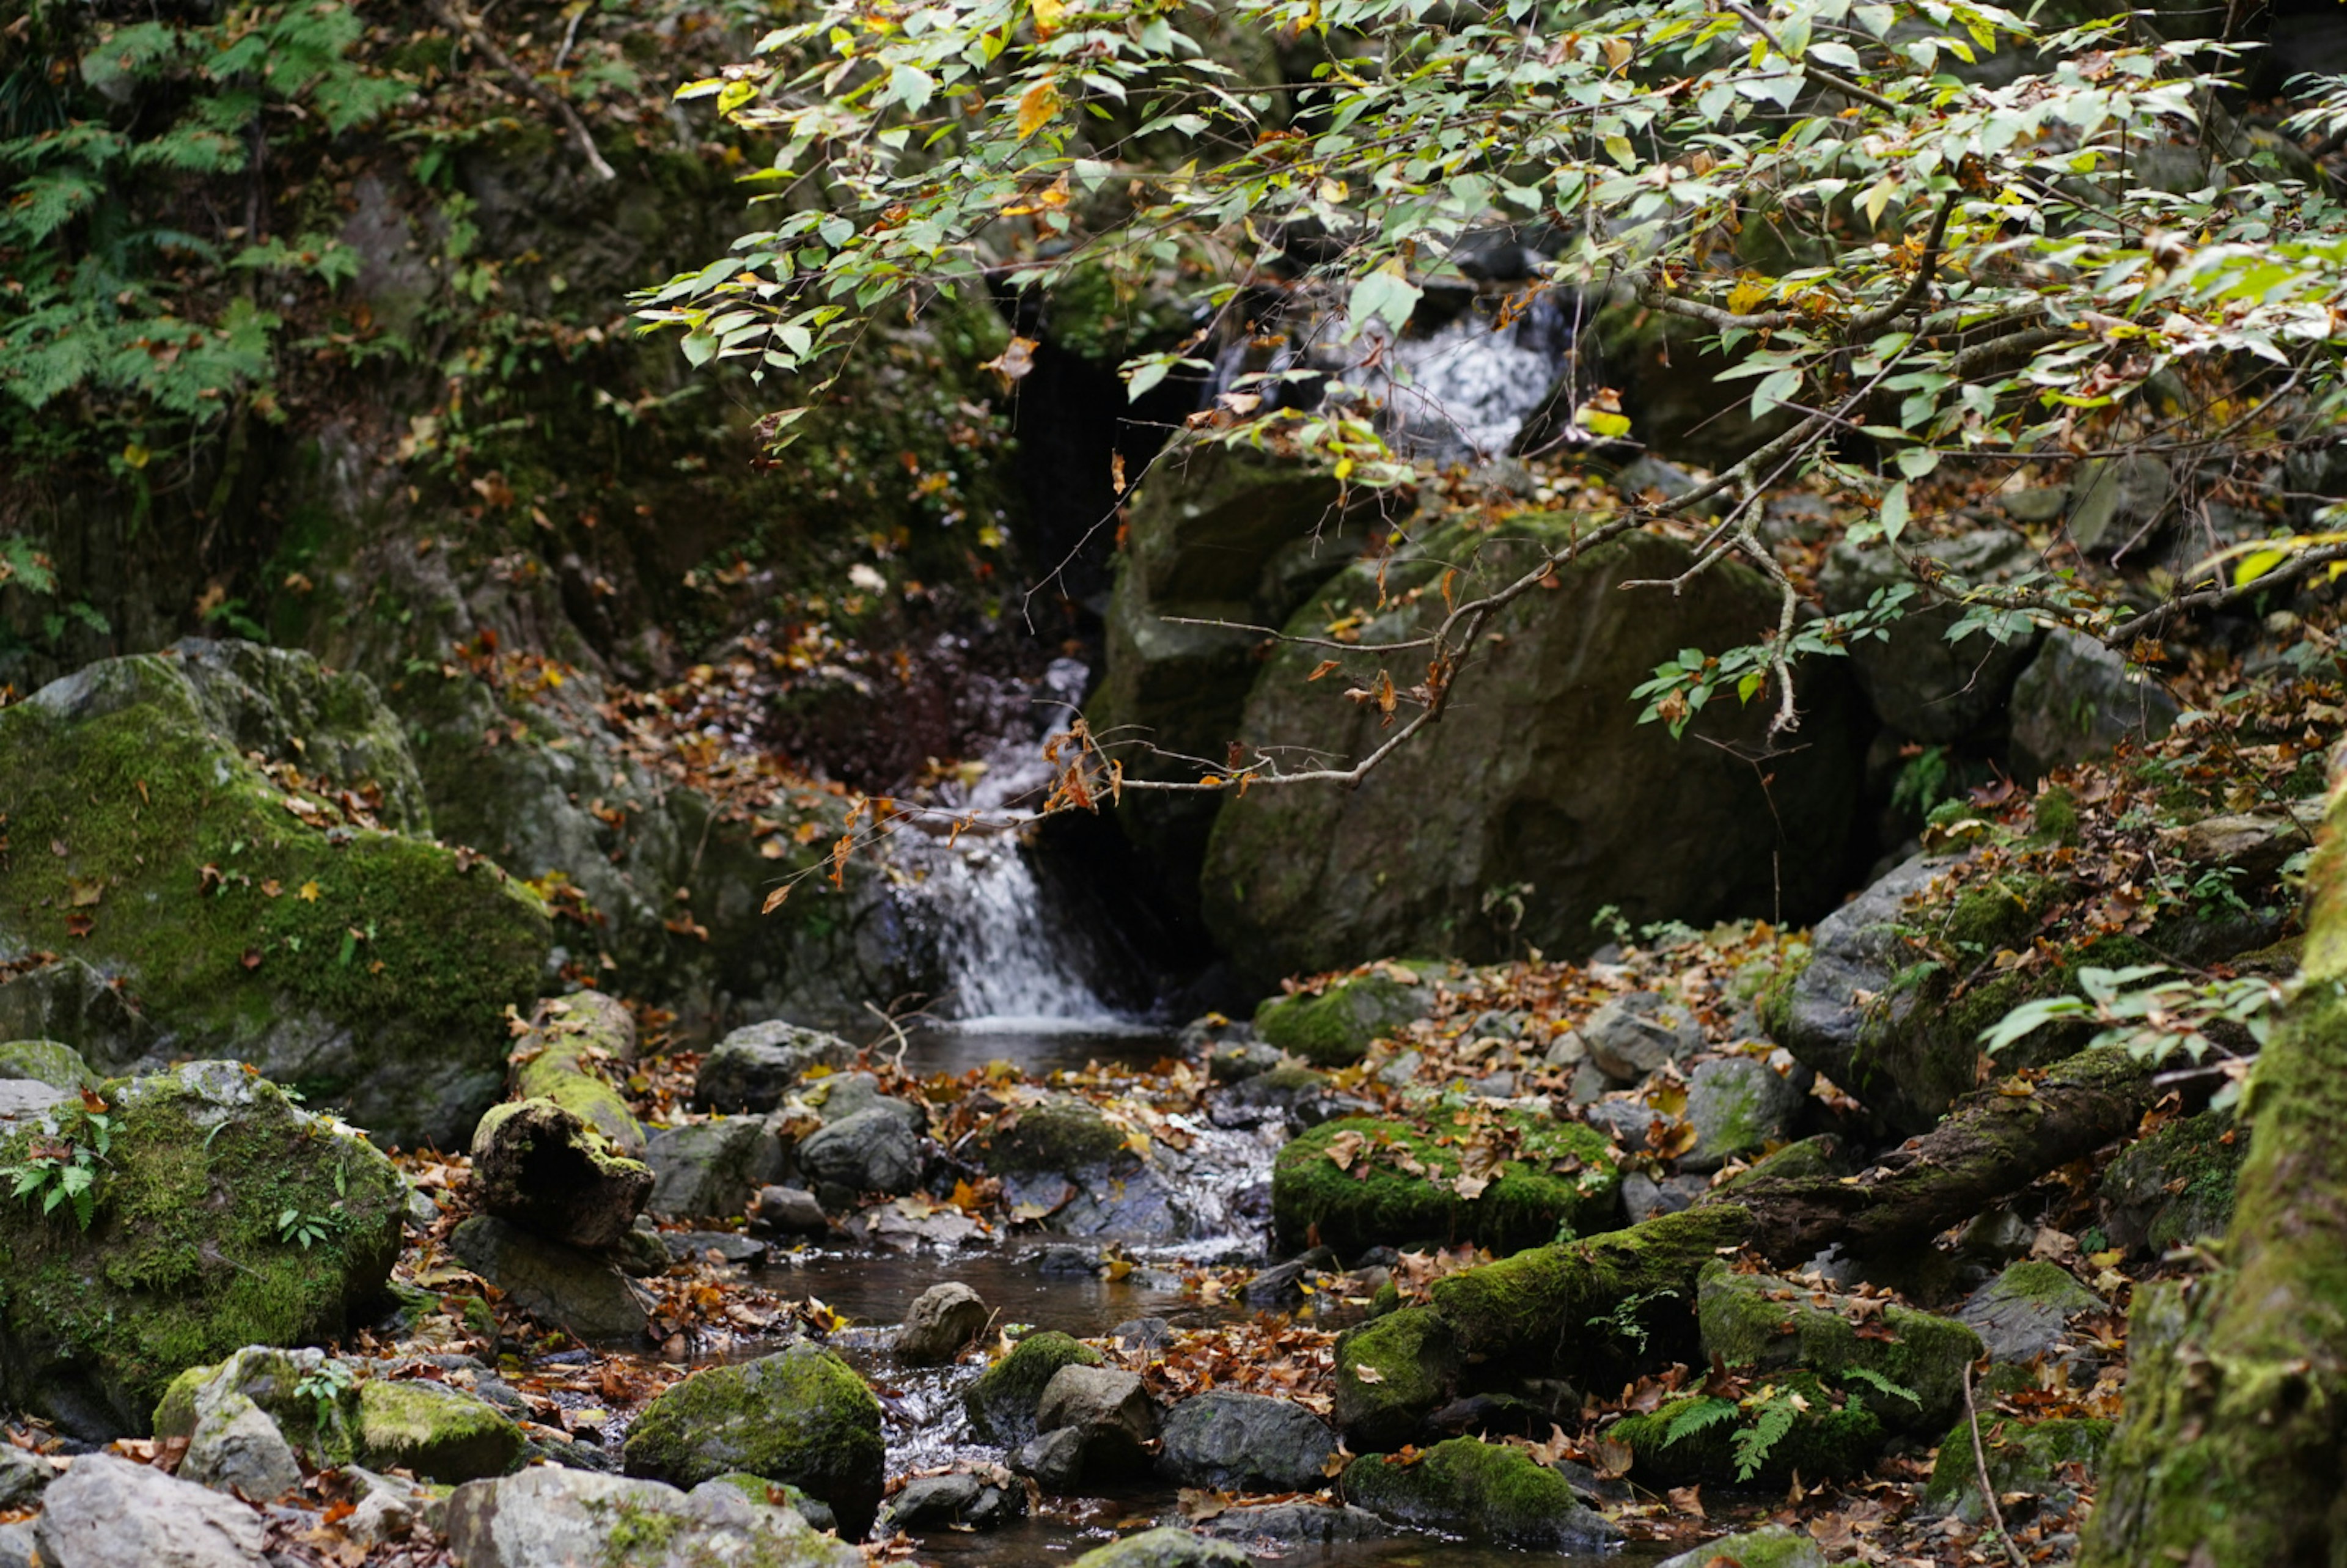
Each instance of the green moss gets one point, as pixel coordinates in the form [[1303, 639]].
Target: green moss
[[2176, 1187], [1836, 1437], [186, 1261], [2056, 819], [1771, 1546], [2043, 1458], [1391, 1373], [1060, 1134], [1559, 1177], [802, 1416], [46, 1062], [1002, 1402], [437, 1432], [316, 1410], [1335, 1027], [1776, 997], [1492, 1491], [1759, 1321]]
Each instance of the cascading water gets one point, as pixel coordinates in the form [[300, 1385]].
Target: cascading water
[[1461, 393]]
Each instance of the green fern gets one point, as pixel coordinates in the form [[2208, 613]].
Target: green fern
[[1771, 1420], [1883, 1385], [1709, 1411]]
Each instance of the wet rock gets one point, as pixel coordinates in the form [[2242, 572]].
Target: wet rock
[[2175, 1187], [555, 1518], [1246, 1442], [1111, 1413], [643, 1252], [440, 1433], [788, 1211], [107, 1512], [1627, 1120], [1236, 1061], [415, 1050], [1277, 1528], [1334, 1028], [1164, 1547], [236, 1446], [754, 1068], [710, 1169], [1057, 1135], [2025, 1312], [1392, 1372], [1488, 1491], [1283, 1283], [1771, 1546], [1632, 1035], [1923, 685], [1344, 1180], [204, 1162], [2078, 700], [724, 1246], [1759, 1321], [942, 1321], [1054, 1461], [1738, 1105], [2051, 1461], [46, 1062], [801, 1416], [547, 1169], [1547, 765], [876, 1148], [1300, 1097], [554, 1284], [2116, 502], [1826, 1440], [1645, 1196], [1143, 1334], [22, 1476], [1003, 1401], [940, 1502]]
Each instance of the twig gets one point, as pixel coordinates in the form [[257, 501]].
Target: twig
[[571, 34], [1824, 77], [1980, 1467], [904, 1043], [467, 28]]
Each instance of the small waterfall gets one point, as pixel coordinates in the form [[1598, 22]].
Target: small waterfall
[[1472, 384]]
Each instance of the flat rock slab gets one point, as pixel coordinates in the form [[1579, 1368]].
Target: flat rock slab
[[107, 1512]]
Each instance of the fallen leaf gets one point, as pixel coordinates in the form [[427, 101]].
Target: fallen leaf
[[309, 893]]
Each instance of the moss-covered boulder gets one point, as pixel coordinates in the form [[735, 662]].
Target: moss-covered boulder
[[1818, 1428], [1503, 1180], [1908, 1366], [2052, 1461], [1167, 1546], [1334, 1027], [223, 1215], [1771, 1546], [1487, 1492], [801, 1417], [1539, 762], [1003, 1401], [441, 1433], [550, 1516], [266, 910], [1392, 1372], [252, 1421], [2175, 1187], [2025, 1312], [1057, 1134], [46, 1062]]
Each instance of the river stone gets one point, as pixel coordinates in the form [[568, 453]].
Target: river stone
[[2175, 1187], [801, 1416], [438, 1433], [1246, 1442], [1055, 1462], [542, 1166], [1334, 1028], [551, 1517], [559, 1285], [1923, 685], [1756, 1320], [2024, 1312], [1539, 764], [237, 1447], [23, 1475], [938, 1501], [1738, 1105], [406, 1030], [1645, 1196], [2053, 1462], [876, 1149], [188, 1261], [754, 1068], [46, 1062], [707, 1169], [1635, 1033], [2079, 700], [1412, 1357], [1488, 1491], [1277, 1528], [1058, 1135], [1002, 1402], [942, 1321], [310, 1410], [1164, 1547], [788, 1211], [24, 1098], [1771, 1546], [1110, 1413], [16, 1547], [107, 1512]]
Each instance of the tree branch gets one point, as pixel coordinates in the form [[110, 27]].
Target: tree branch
[[449, 16]]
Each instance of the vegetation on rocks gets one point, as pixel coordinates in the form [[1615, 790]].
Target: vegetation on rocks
[[1504, 1181]]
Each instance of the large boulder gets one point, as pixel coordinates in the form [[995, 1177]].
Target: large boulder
[[1540, 799], [556, 1518], [755, 1066], [1246, 1442], [2079, 700], [223, 1215], [1488, 1491], [801, 1416], [271, 910], [711, 1168], [1922, 684], [107, 1512]]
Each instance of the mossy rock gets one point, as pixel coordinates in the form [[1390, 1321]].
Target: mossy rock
[[563, 1059], [1167, 1546], [2052, 1461], [370, 968], [1002, 1402], [1055, 1135], [1487, 1492], [1335, 1027], [801, 1416], [314, 1405], [1836, 1437], [1754, 1320], [46, 1062], [1559, 1179], [186, 1260], [440, 1433], [1771, 1546], [2176, 1187], [1392, 1372]]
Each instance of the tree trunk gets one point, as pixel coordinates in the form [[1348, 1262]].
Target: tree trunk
[[2233, 1451]]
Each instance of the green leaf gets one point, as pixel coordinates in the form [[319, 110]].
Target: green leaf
[[1385, 293], [1894, 515], [2256, 564]]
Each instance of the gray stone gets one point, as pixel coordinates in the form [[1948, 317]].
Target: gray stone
[[69, 1000], [942, 1321], [754, 1068], [1738, 1105], [698, 1245], [1629, 1121], [708, 1169], [2118, 503], [938, 1501], [788, 1211], [2025, 1312], [556, 1518], [1277, 1528], [1633, 1034], [2078, 700], [23, 1097], [1771, 1546], [1053, 1461], [1097, 1399], [874, 1150], [1164, 1547], [1246, 1442], [555, 1284], [58, 1066], [1922, 684], [1645, 1196], [236, 1447], [16, 1548], [2041, 505], [23, 1475], [2254, 844], [107, 1512]]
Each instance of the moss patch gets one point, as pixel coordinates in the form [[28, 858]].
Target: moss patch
[[1058, 1134], [1391, 1373], [440, 1433], [1401, 1185], [46, 1062], [1759, 1321], [1001, 1402], [1837, 1436], [1334, 1028], [2048, 1460], [1492, 1491]]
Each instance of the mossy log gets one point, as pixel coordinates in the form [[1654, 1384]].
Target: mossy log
[[565, 1158], [1993, 1144], [2235, 1432]]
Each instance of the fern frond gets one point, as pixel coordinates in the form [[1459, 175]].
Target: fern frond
[[1705, 1412], [1880, 1384], [1752, 1445]]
